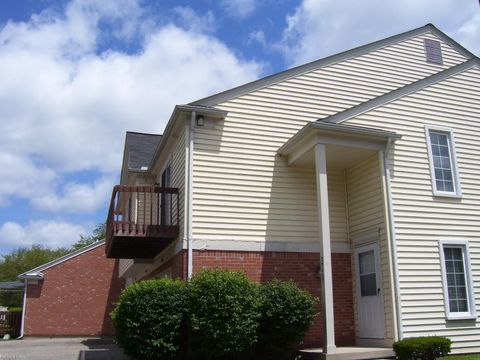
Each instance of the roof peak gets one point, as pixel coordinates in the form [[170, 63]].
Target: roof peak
[[316, 64]]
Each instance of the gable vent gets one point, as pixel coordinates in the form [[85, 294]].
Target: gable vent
[[433, 51]]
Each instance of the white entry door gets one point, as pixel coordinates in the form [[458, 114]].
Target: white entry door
[[371, 316]]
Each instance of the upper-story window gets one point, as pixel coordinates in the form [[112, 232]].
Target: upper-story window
[[457, 281], [443, 164]]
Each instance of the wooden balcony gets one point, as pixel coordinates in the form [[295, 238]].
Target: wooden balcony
[[142, 221]]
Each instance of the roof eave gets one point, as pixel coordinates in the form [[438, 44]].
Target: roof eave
[[204, 110], [345, 55], [38, 270], [347, 130]]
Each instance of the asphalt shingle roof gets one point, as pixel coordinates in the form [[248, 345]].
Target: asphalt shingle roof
[[141, 148]]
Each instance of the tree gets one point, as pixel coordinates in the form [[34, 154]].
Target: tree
[[19, 261], [97, 234], [23, 259]]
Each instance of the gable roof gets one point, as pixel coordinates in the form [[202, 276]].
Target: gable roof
[[314, 65], [395, 94], [140, 148], [36, 273]]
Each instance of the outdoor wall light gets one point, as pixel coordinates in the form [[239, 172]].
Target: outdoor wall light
[[200, 120]]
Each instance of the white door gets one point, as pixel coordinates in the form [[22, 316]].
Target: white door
[[370, 309]]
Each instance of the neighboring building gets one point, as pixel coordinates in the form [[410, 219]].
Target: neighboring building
[[72, 295], [369, 157]]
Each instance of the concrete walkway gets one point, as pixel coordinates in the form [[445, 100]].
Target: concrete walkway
[[61, 348]]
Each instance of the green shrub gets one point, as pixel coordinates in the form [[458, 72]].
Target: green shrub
[[287, 313], [15, 309], [224, 309], [424, 348], [149, 319]]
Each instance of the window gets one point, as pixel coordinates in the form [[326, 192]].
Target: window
[[457, 282], [443, 167], [433, 51]]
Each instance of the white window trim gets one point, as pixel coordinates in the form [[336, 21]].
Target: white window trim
[[472, 313], [457, 193]]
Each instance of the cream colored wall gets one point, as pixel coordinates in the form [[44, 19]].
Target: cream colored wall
[[241, 190], [422, 219], [367, 222]]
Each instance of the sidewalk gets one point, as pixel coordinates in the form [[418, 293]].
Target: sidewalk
[[68, 348]]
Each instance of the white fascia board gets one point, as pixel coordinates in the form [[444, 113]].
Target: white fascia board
[[38, 270]]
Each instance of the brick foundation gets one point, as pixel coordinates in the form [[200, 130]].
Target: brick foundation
[[299, 267], [75, 297]]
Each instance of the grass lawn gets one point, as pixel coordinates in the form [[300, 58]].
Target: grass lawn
[[462, 357]]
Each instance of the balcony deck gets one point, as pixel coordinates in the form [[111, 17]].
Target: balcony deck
[[142, 221]]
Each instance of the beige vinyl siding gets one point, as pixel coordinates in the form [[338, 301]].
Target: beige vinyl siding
[[241, 189], [366, 214], [422, 220], [123, 266]]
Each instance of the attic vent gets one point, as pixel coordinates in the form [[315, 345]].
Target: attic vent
[[433, 51]]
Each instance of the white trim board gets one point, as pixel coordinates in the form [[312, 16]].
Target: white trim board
[[280, 246]]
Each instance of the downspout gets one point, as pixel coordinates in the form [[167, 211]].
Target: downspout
[[22, 326], [190, 196], [398, 303]]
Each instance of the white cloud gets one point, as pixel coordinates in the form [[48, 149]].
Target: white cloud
[[66, 105], [318, 28], [239, 8], [190, 20], [76, 197], [46, 233], [258, 36]]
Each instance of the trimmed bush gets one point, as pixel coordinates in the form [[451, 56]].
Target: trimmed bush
[[287, 313], [424, 348], [15, 309], [225, 310], [150, 318]]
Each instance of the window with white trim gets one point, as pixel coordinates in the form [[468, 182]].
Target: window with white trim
[[457, 282], [443, 168]]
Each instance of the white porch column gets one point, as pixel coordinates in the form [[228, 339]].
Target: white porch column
[[325, 254]]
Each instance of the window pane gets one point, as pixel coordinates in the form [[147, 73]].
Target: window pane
[[445, 162], [453, 306], [447, 175], [448, 186], [367, 262], [457, 253], [440, 186], [442, 139], [462, 306], [368, 284], [444, 151]]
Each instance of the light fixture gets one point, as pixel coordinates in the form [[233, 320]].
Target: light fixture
[[200, 120]]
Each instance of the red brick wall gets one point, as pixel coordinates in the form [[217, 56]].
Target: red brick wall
[[75, 297], [300, 267]]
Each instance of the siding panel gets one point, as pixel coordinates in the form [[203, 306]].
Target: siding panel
[[422, 219]]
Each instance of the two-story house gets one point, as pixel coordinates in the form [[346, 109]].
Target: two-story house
[[357, 176]]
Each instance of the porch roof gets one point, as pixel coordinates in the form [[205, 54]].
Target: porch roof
[[349, 143]]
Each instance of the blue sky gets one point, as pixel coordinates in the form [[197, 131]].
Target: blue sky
[[75, 75]]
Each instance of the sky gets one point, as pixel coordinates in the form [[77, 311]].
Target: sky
[[76, 75]]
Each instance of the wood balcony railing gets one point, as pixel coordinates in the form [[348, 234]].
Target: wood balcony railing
[[142, 221]]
